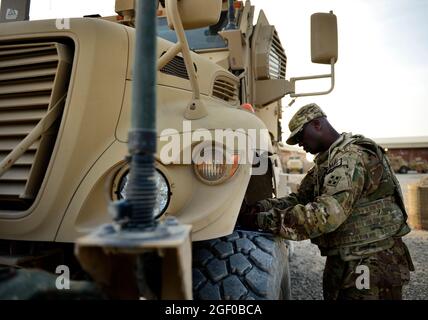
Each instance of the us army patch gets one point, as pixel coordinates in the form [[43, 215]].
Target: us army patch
[[333, 181]]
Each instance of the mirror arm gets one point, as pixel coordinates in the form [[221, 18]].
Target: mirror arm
[[169, 55], [185, 50], [322, 76], [195, 109]]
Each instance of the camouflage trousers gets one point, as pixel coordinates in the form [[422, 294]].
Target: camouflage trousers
[[388, 271]]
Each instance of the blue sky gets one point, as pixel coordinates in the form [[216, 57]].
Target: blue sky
[[382, 71]]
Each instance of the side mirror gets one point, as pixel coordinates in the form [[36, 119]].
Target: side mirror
[[324, 38], [323, 50], [195, 13], [125, 8]]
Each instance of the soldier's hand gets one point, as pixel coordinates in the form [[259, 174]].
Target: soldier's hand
[[264, 205], [248, 215], [265, 215], [274, 219]]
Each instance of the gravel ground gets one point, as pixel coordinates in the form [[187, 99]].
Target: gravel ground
[[307, 267]]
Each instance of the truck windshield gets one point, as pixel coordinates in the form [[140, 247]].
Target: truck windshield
[[199, 39]]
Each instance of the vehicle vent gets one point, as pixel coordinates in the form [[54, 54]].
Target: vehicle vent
[[176, 67], [277, 58], [226, 89], [33, 80]]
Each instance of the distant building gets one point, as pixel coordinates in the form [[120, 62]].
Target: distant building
[[409, 148], [412, 152]]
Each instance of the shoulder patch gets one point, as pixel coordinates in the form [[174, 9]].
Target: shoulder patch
[[333, 180], [337, 181]]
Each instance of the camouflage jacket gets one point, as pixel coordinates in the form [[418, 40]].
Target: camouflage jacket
[[344, 177]]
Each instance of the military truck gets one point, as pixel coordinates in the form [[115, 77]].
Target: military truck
[[399, 164], [419, 165], [294, 165], [65, 96]]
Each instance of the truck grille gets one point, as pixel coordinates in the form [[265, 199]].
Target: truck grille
[[226, 89], [176, 67], [33, 78], [277, 58]]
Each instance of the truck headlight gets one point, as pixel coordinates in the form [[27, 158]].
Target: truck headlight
[[214, 165], [163, 192]]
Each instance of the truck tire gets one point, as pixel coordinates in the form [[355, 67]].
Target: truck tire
[[403, 169], [245, 265]]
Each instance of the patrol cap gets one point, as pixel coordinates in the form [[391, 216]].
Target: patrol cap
[[304, 115]]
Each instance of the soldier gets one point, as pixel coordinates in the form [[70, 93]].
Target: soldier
[[350, 205]]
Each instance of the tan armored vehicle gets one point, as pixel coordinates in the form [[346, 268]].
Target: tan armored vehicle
[[398, 164], [65, 112], [294, 165], [419, 165]]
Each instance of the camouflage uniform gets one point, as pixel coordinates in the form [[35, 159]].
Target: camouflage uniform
[[350, 205]]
